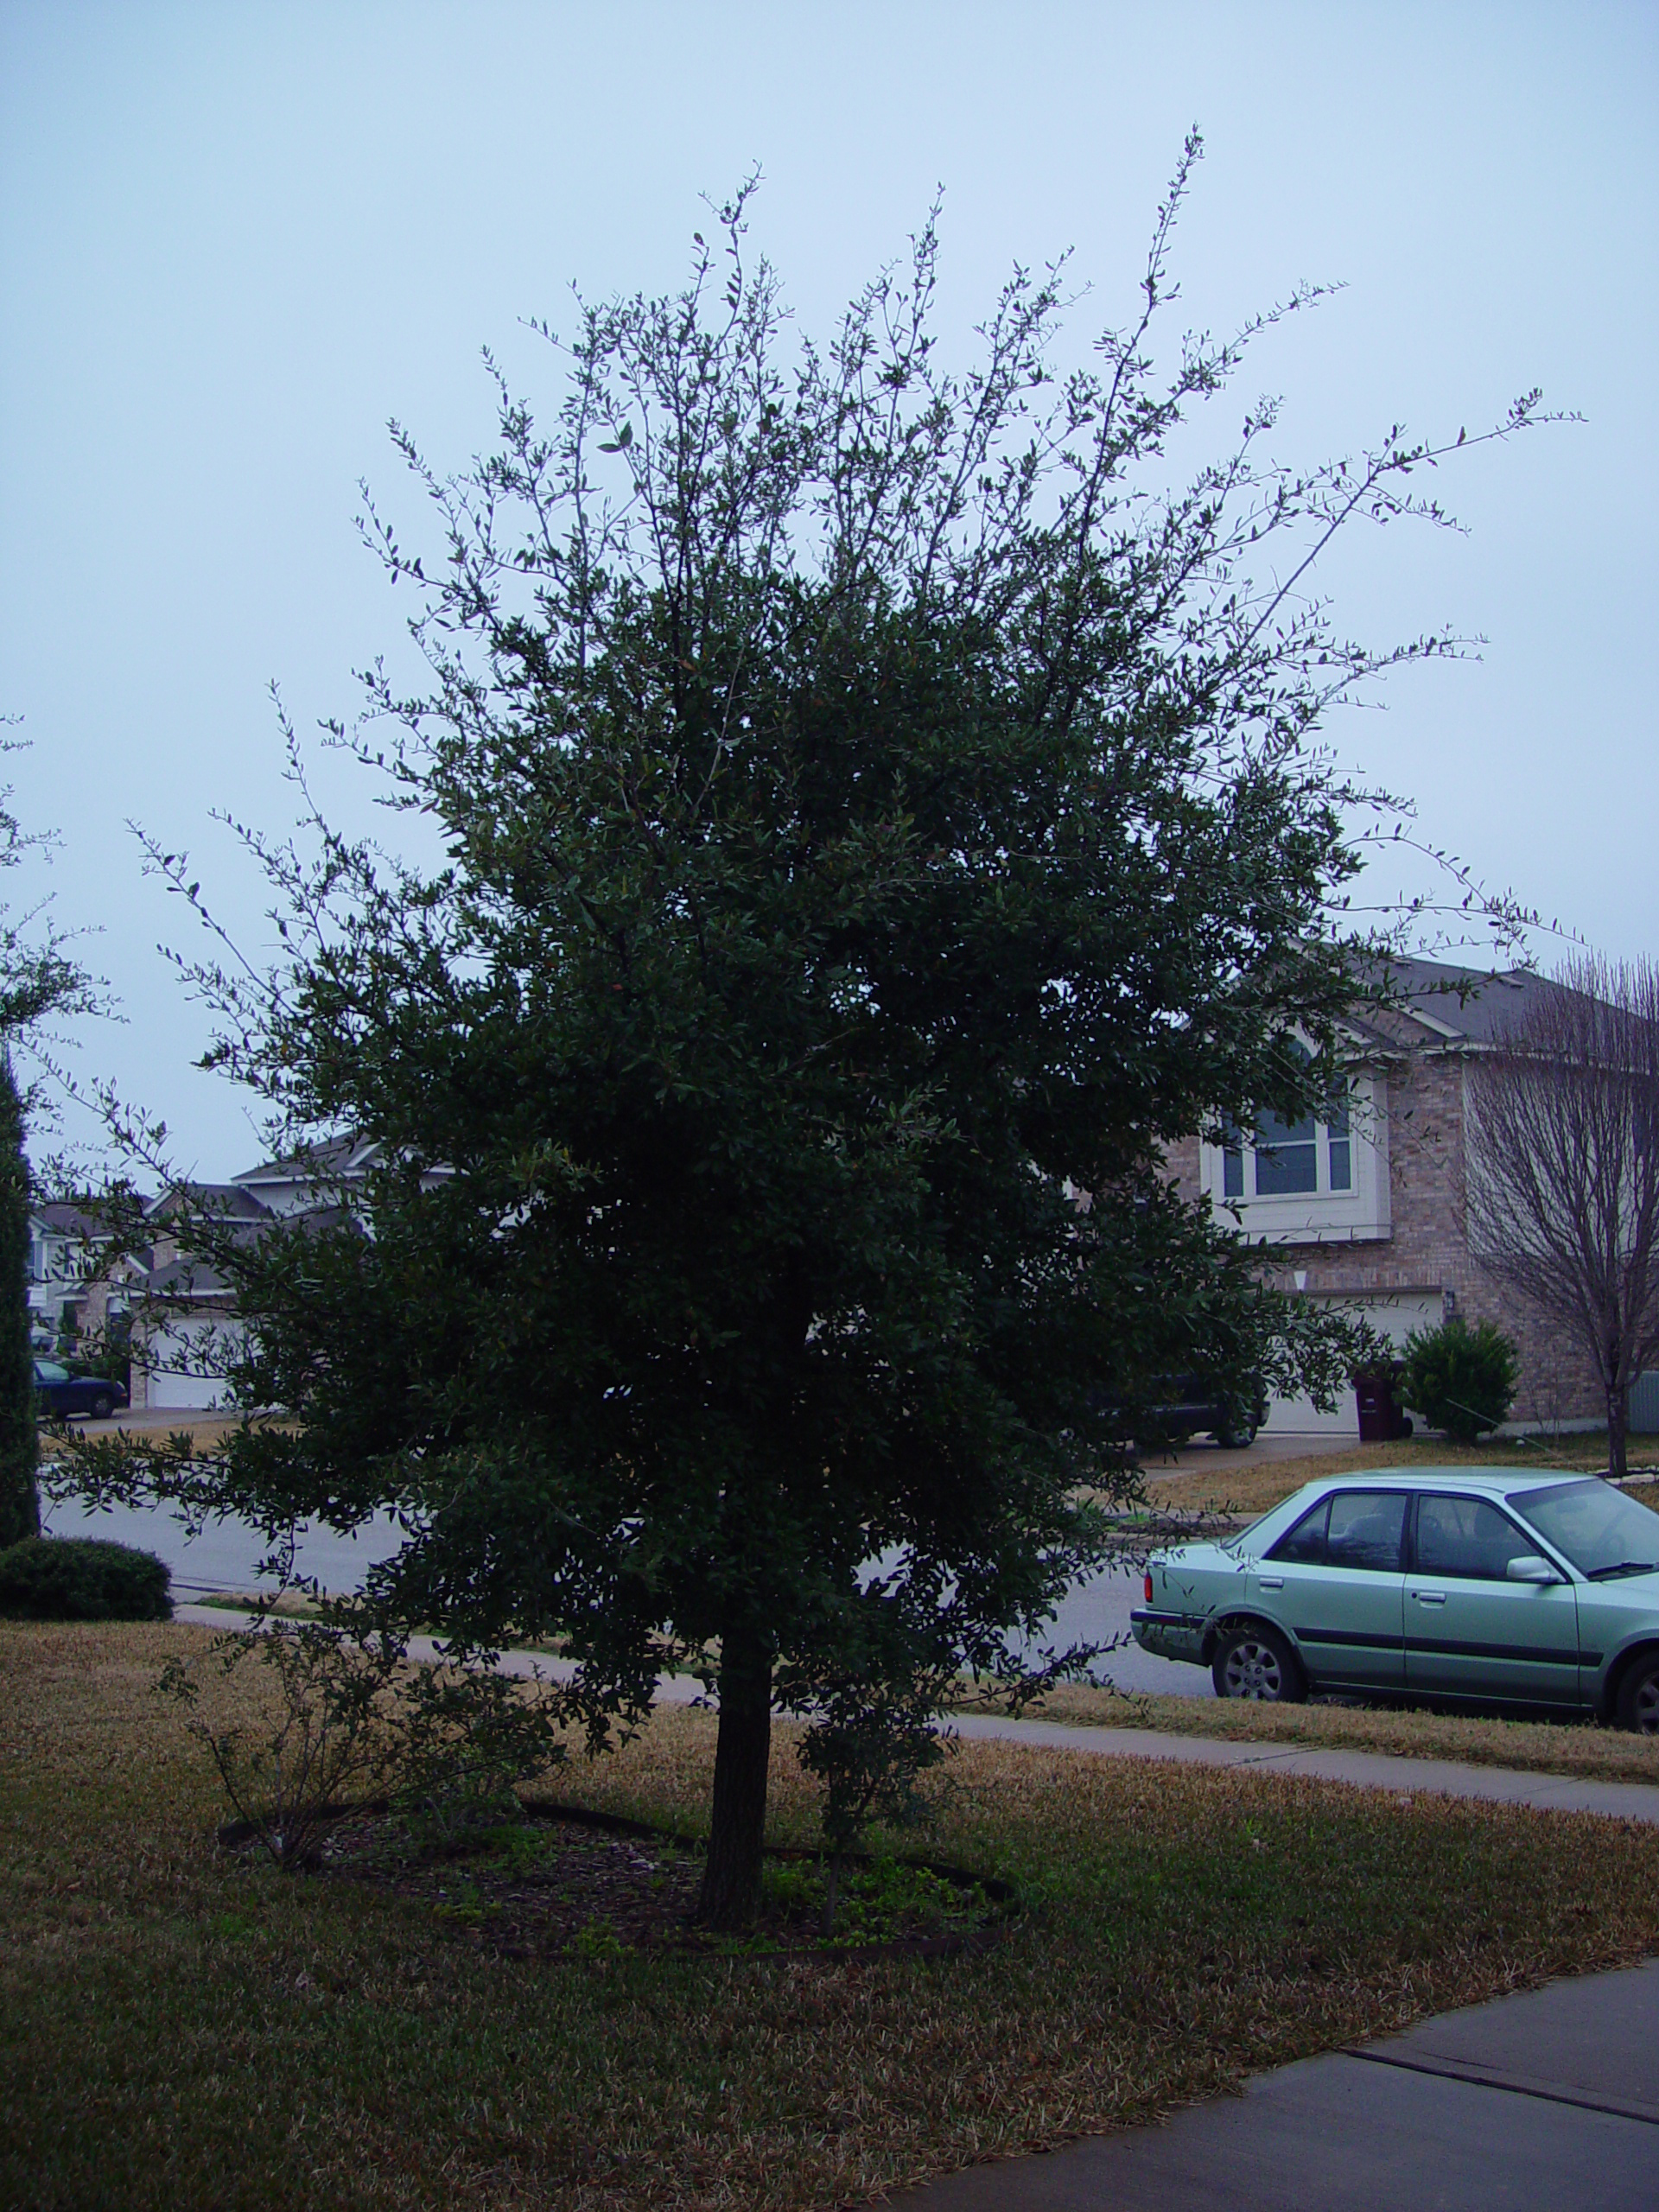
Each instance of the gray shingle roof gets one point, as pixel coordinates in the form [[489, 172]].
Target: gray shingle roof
[[1457, 1005]]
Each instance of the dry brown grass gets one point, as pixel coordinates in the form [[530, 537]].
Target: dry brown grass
[[205, 1428], [1534, 1746], [1254, 1486], [178, 2026]]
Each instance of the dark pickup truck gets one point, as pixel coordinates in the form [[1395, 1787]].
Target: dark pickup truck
[[1184, 1406]]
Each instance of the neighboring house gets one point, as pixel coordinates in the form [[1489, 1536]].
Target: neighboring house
[[1362, 1209], [1366, 1209], [310, 1184], [183, 1306], [65, 1254]]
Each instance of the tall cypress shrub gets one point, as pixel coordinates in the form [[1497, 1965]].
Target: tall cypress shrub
[[20, 1501]]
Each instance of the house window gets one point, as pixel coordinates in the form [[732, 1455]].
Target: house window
[[1288, 1159]]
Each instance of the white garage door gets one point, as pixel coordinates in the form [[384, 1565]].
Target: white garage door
[[173, 1353], [1396, 1314]]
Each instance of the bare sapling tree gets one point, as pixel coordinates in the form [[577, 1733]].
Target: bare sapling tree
[[1562, 1170]]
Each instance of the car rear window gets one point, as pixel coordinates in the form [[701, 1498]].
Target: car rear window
[[1352, 1528]]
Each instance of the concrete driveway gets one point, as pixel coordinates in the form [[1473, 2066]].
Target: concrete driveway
[[1546, 2102]]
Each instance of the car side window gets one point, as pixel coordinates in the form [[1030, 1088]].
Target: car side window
[[1304, 1545], [1467, 1538], [1367, 1529]]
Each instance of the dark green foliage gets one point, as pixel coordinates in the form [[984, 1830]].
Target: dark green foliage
[[20, 1504], [880, 817], [36, 981], [106, 1352], [1460, 1379], [82, 1578]]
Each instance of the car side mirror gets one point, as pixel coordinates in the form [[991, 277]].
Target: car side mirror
[[1529, 1568]]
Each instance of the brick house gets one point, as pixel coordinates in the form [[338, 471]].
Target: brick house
[[65, 1254], [184, 1311], [1367, 1210]]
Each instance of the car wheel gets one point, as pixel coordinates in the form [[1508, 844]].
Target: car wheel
[[1237, 1439], [102, 1406], [1638, 1696], [1257, 1662]]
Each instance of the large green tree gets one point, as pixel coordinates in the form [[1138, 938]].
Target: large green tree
[[20, 1503], [38, 979], [879, 821]]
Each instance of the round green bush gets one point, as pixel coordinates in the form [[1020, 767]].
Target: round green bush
[[1460, 1379], [81, 1579]]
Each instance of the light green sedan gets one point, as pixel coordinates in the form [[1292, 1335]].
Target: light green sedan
[[1485, 1586]]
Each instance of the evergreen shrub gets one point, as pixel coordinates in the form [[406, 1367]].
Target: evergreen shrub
[[82, 1578], [1460, 1379]]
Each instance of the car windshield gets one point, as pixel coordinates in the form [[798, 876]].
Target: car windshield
[[1603, 1532]]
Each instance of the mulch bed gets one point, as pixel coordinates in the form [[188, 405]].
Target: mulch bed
[[565, 1882]]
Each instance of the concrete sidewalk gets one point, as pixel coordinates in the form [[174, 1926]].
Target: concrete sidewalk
[[1555, 1793], [1546, 2102], [525, 1665], [1502, 1785]]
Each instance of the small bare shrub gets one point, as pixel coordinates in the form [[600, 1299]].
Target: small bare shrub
[[345, 1716], [330, 1729]]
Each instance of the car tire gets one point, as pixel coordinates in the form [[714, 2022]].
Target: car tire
[[1255, 1662], [1638, 1696], [101, 1406], [1237, 1439]]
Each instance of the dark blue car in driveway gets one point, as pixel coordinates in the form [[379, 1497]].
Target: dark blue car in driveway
[[59, 1393]]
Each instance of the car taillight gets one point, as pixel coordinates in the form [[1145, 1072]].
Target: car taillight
[[1148, 1586]]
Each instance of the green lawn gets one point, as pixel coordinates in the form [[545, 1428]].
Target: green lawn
[[180, 2028]]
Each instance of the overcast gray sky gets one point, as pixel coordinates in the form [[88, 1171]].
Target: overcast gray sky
[[234, 238]]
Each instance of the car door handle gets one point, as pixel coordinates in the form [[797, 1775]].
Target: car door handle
[[1429, 1597], [1270, 1581]]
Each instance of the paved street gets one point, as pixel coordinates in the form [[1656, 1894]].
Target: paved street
[[226, 1555], [225, 1558], [1545, 2102]]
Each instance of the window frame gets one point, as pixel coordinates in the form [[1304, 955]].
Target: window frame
[[1533, 1547], [1361, 1213], [1326, 1565], [1244, 1154]]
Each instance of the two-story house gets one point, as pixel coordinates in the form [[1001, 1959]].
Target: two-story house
[[1365, 1208], [66, 1248], [185, 1309]]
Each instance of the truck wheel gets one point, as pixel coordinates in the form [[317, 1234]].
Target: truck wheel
[[1255, 1662]]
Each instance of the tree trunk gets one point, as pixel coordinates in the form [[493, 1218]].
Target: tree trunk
[[730, 1896], [20, 1502], [1617, 1420]]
